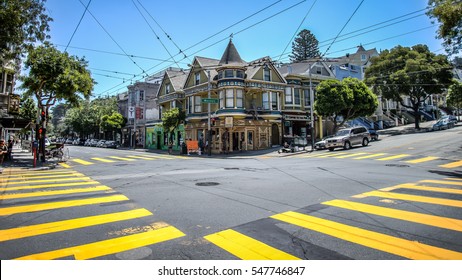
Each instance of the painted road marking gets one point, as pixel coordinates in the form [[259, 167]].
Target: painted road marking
[[121, 158], [393, 157], [58, 192], [452, 164], [140, 157], [24, 179], [387, 243], [442, 182], [431, 220], [103, 159], [62, 204], [245, 247], [39, 229], [351, 155], [420, 160], [65, 165], [81, 161], [50, 180], [415, 198], [371, 156], [91, 182], [110, 246], [423, 188]]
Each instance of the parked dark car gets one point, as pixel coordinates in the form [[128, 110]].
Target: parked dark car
[[111, 144], [443, 123]]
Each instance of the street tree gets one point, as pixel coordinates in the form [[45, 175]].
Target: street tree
[[449, 14], [23, 23], [28, 109], [55, 76], [305, 46], [409, 74], [171, 120], [454, 97], [344, 100], [113, 123]]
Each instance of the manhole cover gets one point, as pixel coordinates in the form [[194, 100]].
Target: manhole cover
[[231, 168], [207, 184], [396, 165]]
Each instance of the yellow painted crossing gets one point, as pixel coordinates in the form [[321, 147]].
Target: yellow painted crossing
[[110, 246], [420, 160], [58, 192], [245, 247], [414, 198], [83, 162], [452, 164], [103, 159], [383, 242], [393, 157]]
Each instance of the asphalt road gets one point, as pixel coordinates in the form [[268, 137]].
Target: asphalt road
[[398, 198]]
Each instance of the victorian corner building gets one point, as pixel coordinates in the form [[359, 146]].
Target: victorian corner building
[[253, 105]]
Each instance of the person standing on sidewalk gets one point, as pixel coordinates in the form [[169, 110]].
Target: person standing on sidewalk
[[9, 150], [3, 153]]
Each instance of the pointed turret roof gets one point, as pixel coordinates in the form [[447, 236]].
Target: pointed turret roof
[[231, 56]]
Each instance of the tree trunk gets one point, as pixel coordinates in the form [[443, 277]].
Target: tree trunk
[[417, 118]]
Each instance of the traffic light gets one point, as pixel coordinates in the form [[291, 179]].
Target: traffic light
[[40, 132], [43, 116], [213, 121]]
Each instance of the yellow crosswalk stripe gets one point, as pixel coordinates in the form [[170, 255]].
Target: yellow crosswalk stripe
[[65, 165], [350, 155], [393, 157], [39, 229], [409, 197], [160, 157], [140, 157], [331, 154], [103, 159], [442, 182], [61, 204], [48, 186], [383, 242], [121, 158], [420, 160], [452, 164], [371, 156], [245, 247], [41, 173], [58, 192], [431, 220], [110, 246], [81, 161], [60, 175], [422, 188], [49, 180]]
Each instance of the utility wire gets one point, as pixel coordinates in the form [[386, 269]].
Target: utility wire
[[168, 36], [298, 28], [157, 36], [78, 24], [343, 28], [120, 47]]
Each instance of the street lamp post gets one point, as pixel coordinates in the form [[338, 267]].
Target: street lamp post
[[209, 132], [311, 111]]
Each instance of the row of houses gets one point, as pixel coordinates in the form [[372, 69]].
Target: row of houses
[[250, 105]]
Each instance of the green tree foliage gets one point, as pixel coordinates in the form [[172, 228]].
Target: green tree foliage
[[412, 73], [28, 109], [454, 98], [23, 23], [305, 46], [113, 122], [172, 118], [449, 14], [344, 100]]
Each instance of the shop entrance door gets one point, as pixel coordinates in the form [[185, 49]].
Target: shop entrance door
[[250, 140]]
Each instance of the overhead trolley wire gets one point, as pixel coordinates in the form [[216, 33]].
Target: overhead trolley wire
[[112, 38], [78, 24], [354, 12]]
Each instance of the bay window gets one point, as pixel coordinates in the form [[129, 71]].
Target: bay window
[[265, 101], [229, 98], [239, 98], [197, 104]]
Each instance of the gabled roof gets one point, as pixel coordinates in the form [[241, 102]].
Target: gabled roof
[[255, 65], [177, 78], [231, 56], [304, 68]]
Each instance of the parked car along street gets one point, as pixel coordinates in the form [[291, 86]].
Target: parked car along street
[[348, 137]]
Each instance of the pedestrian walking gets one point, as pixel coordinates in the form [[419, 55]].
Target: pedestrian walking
[[3, 153]]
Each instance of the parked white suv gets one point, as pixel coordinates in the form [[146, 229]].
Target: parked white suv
[[348, 137]]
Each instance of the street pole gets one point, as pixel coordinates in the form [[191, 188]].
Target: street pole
[[311, 111], [209, 132]]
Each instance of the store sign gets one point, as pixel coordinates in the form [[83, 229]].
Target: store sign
[[131, 112]]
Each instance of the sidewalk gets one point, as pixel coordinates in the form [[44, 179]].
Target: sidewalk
[[23, 160]]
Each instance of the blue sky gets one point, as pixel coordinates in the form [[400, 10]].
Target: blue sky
[[268, 29]]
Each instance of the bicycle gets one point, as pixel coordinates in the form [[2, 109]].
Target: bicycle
[[59, 152]]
